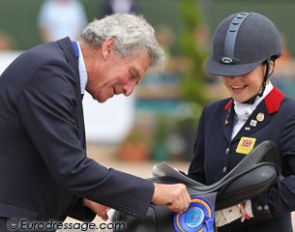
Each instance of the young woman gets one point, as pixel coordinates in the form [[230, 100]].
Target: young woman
[[245, 48]]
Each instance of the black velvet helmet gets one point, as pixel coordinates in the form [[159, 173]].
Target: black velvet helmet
[[241, 42]]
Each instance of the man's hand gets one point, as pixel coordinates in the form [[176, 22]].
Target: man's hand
[[97, 208], [175, 196]]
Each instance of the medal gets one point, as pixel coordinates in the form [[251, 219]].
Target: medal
[[260, 117]]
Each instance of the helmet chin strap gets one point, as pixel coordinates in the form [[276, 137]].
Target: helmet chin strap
[[260, 93]]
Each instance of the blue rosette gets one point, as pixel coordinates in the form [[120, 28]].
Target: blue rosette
[[199, 217]]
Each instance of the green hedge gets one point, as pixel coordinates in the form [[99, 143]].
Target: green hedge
[[18, 17]]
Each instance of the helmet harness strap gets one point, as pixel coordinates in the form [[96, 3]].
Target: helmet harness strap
[[265, 79]]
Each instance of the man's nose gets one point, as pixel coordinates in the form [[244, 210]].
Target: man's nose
[[128, 89]]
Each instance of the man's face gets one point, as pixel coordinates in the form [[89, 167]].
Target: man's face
[[117, 76]]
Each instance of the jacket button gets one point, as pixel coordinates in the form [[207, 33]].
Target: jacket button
[[259, 207], [224, 169], [266, 207], [227, 151]]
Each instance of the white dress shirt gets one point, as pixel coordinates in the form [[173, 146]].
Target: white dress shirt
[[244, 110]]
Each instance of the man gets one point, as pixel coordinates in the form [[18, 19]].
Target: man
[[44, 171]]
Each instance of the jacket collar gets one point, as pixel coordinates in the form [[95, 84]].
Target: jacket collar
[[70, 55], [270, 105], [272, 101]]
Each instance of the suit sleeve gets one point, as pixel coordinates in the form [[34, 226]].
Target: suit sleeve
[[47, 107], [80, 212]]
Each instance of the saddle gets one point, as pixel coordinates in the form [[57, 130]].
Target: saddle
[[254, 174]]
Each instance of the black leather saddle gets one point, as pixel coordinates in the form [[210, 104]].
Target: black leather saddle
[[254, 174]]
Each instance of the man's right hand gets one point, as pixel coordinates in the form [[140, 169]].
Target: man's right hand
[[175, 196]]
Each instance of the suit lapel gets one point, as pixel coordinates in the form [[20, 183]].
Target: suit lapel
[[69, 51], [80, 121], [228, 120], [261, 116], [258, 119]]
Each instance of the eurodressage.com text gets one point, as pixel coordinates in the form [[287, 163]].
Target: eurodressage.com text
[[26, 225]]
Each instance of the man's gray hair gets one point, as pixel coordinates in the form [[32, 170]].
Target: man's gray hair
[[132, 33]]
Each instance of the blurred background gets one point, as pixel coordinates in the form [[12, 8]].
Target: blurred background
[[158, 122]]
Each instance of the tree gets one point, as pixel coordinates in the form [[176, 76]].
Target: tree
[[195, 79]]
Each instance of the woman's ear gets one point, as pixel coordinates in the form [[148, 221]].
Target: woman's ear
[[271, 67]]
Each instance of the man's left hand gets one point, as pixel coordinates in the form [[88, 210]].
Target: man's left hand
[[97, 208]]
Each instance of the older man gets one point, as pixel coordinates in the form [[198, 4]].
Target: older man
[[44, 171]]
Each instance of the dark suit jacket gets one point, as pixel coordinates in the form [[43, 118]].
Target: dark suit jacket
[[215, 154], [44, 171]]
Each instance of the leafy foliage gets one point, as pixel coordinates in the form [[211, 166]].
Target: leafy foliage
[[194, 79]]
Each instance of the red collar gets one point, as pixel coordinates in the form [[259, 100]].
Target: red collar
[[226, 107], [272, 101]]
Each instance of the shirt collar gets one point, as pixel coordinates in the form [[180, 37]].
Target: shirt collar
[[243, 110], [82, 70]]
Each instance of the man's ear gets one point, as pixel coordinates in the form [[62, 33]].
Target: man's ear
[[107, 47]]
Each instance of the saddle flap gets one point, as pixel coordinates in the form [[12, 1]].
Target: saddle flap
[[249, 178], [247, 185]]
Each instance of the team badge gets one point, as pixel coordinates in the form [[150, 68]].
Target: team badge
[[245, 145], [199, 217], [253, 123]]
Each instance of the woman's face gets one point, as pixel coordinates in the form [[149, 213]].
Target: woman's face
[[244, 87]]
